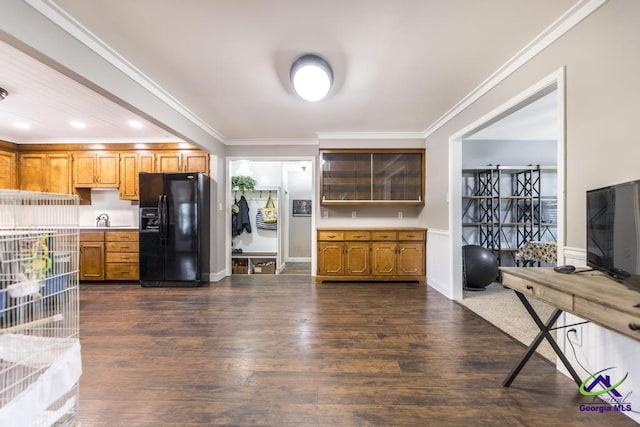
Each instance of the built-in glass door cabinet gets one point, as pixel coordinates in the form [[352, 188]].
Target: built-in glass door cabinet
[[376, 177]]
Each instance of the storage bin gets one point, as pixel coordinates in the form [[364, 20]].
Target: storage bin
[[264, 268]]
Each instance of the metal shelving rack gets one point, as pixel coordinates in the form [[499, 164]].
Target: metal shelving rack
[[504, 208]]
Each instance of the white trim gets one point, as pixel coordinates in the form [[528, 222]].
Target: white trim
[[559, 27], [298, 259], [272, 141], [455, 169], [370, 135], [69, 24], [216, 277], [574, 254], [438, 232], [438, 271]]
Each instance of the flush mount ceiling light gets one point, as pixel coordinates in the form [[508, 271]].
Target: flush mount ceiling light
[[312, 77], [3, 93]]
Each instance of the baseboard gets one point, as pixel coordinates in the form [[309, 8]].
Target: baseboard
[[216, 277], [440, 287], [298, 259]]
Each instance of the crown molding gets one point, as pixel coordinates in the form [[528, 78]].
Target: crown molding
[[66, 22], [557, 29], [272, 141], [370, 135]]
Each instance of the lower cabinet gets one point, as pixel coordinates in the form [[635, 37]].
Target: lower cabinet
[[92, 255], [122, 255], [378, 254], [109, 255]]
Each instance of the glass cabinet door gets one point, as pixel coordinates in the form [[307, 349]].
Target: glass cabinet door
[[396, 176], [346, 176], [383, 177]]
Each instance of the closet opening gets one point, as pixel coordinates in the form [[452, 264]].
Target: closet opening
[[271, 208]]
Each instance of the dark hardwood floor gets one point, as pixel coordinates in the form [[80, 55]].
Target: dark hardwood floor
[[279, 350]]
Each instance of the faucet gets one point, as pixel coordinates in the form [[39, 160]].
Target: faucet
[[103, 220]]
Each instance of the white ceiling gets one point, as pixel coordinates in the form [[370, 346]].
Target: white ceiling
[[398, 65]]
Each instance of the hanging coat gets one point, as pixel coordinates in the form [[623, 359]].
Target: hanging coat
[[243, 221]]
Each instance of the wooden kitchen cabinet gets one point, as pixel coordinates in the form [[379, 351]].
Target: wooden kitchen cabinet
[[122, 255], [92, 256], [372, 177], [46, 172], [372, 254], [185, 161], [7, 170], [96, 169], [128, 176]]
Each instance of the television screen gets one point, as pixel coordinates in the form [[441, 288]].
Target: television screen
[[613, 230]]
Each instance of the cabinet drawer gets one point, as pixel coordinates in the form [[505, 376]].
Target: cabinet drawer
[[384, 235], [625, 323], [559, 299], [122, 257], [122, 246], [330, 235], [357, 235], [123, 272], [92, 236], [411, 235], [122, 236]]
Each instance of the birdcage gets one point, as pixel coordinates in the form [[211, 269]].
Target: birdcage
[[40, 362]]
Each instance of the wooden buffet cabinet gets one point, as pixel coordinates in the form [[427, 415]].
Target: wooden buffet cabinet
[[109, 255], [380, 254]]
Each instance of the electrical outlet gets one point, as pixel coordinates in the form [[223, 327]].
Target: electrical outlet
[[325, 214], [575, 335], [353, 214], [400, 215]]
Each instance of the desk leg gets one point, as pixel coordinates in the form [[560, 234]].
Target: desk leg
[[544, 333]]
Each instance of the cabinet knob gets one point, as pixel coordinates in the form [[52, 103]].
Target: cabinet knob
[[529, 287], [384, 236], [634, 326], [358, 236], [331, 236]]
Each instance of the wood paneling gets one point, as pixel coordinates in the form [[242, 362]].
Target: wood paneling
[[279, 351]]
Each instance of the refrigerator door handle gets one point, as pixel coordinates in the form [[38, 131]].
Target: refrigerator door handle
[[160, 220], [165, 220]]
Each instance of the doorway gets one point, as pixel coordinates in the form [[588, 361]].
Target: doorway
[[551, 87], [264, 246]]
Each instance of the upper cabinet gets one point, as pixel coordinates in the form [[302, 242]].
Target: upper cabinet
[[7, 170], [96, 169], [182, 161], [372, 177], [46, 172]]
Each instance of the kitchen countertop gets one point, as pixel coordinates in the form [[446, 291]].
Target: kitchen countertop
[[113, 227]]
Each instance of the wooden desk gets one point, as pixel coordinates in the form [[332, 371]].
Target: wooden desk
[[590, 295]]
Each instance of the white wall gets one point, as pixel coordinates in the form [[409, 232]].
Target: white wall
[[480, 153], [121, 212], [299, 187]]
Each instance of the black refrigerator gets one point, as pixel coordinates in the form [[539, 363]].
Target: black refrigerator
[[174, 229]]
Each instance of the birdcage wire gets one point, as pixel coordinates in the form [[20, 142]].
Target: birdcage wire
[[40, 361]]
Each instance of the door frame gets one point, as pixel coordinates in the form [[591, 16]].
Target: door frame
[[555, 80]]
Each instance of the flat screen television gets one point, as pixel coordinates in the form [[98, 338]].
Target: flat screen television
[[613, 231]]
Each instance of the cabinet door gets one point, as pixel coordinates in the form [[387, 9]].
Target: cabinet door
[[91, 261], [7, 170], [397, 176], [85, 170], [59, 173], [411, 258], [33, 175], [168, 162], [383, 258], [146, 162], [129, 176], [195, 162], [357, 258], [330, 258], [108, 168]]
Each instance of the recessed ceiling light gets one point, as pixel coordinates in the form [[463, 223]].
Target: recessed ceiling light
[[78, 124], [135, 124], [22, 125]]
